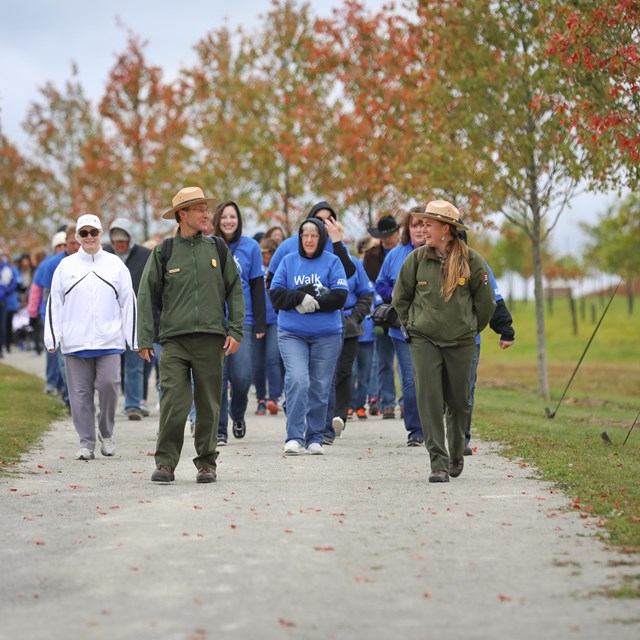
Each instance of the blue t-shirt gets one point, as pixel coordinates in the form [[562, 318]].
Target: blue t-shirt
[[496, 291], [359, 285], [325, 271], [95, 353], [248, 258], [388, 275], [290, 245], [43, 277], [271, 315]]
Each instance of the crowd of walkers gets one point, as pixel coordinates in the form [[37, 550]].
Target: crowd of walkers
[[210, 313]]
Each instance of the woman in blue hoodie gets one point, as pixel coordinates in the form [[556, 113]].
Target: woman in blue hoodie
[[309, 288], [227, 223]]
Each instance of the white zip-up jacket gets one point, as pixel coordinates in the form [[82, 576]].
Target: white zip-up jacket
[[92, 304]]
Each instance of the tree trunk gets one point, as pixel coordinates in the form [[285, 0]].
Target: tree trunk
[[630, 296]]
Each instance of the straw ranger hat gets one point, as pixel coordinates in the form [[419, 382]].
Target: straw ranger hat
[[187, 197], [442, 211]]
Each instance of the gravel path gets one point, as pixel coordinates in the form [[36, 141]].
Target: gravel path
[[354, 544]]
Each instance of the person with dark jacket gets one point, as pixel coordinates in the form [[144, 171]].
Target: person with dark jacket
[[443, 299], [238, 368], [195, 333], [134, 256], [309, 289]]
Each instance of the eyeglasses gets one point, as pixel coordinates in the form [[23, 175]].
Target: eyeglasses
[[83, 233], [199, 209]]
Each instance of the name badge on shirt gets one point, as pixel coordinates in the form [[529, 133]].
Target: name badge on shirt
[[214, 263], [422, 283], [174, 270]]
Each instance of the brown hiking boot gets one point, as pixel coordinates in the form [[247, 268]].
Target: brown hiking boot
[[439, 476], [456, 467], [206, 474], [163, 473], [389, 413]]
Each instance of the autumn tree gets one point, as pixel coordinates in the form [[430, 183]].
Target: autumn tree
[[492, 63], [614, 240], [598, 43], [59, 125], [24, 200], [145, 129]]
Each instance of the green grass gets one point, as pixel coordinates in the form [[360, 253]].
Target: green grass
[[25, 414], [602, 480]]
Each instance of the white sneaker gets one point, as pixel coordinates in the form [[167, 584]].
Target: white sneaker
[[85, 454], [107, 448], [293, 448], [316, 449], [338, 426]]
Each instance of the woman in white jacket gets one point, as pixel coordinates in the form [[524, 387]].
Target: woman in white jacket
[[91, 316]]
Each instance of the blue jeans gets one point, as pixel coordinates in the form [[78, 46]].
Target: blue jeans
[[386, 376], [310, 363], [133, 379], [267, 365], [361, 375], [411, 417], [472, 383], [238, 371]]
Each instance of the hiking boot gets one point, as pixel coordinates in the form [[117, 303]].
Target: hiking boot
[[272, 407], [338, 426], [361, 413], [239, 429], [163, 473], [134, 414], [456, 467], [315, 449], [206, 474], [85, 454], [467, 450], [374, 407], [389, 413], [107, 448], [262, 408], [293, 448], [439, 476]]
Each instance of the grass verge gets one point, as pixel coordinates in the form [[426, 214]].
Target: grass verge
[[25, 414]]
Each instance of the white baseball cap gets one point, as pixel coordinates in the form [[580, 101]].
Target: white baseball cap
[[89, 220]]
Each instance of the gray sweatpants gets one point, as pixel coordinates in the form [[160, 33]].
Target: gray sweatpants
[[85, 376]]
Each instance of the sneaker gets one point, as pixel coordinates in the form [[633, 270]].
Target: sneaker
[[350, 414], [272, 407], [222, 442], [338, 426], [239, 429], [134, 414], [361, 413], [389, 413], [374, 407], [293, 448], [467, 450], [327, 441], [415, 442], [107, 448], [439, 476], [85, 454], [206, 474], [315, 449], [262, 408], [163, 473], [144, 409]]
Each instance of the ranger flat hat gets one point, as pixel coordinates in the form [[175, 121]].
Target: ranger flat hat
[[386, 227], [187, 197], [442, 211]]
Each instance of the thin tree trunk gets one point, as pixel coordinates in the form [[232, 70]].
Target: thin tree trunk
[[538, 289]]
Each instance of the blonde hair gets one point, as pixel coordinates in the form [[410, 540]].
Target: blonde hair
[[455, 267]]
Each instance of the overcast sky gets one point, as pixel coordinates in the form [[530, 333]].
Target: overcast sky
[[39, 40]]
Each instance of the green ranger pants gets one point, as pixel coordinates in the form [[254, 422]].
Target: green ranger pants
[[442, 378], [200, 354]]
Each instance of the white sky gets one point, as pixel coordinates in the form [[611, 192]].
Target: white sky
[[39, 40]]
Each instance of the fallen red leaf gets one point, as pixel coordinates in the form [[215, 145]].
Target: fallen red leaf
[[39, 543], [195, 506], [233, 526], [288, 531], [324, 548], [286, 623], [503, 598], [426, 594]]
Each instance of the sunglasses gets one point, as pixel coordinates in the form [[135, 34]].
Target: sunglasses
[[83, 233]]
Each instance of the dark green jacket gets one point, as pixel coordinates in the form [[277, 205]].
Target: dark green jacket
[[421, 308], [194, 293]]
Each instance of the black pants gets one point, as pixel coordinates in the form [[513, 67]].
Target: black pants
[[343, 376]]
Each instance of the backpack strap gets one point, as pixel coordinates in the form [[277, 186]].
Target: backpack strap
[[222, 251]]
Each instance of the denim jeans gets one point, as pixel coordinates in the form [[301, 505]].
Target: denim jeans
[[386, 376], [472, 383], [62, 380], [133, 379], [411, 417], [267, 365], [310, 363], [361, 374], [238, 372], [52, 372]]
